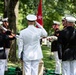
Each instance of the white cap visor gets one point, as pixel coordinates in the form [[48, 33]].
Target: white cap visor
[[71, 19], [31, 17], [56, 22]]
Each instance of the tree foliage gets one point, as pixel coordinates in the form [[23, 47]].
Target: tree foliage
[[52, 10], [1, 7]]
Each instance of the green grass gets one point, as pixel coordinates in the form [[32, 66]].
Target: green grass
[[48, 63]]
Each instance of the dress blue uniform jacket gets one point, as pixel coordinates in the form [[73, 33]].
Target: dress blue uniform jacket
[[3, 38], [68, 45]]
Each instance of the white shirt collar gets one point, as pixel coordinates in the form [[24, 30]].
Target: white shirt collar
[[30, 25]]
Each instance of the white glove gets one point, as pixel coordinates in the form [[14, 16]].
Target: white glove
[[52, 38], [17, 36], [37, 24]]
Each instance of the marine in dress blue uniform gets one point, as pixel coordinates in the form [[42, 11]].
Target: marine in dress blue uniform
[[67, 40], [7, 42], [54, 48], [3, 38]]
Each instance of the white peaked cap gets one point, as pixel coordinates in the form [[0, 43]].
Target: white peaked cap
[[5, 19], [31, 17], [56, 22], [70, 19]]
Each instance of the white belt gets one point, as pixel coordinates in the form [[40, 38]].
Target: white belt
[[1, 48]]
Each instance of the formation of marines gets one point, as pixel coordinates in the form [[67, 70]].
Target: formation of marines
[[29, 49]]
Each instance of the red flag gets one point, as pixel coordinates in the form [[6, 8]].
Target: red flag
[[39, 14]]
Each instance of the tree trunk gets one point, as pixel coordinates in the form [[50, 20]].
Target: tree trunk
[[5, 8], [13, 12]]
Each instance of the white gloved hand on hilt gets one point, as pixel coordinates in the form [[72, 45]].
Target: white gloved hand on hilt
[[52, 38]]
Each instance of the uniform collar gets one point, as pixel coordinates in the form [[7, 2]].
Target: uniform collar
[[30, 25]]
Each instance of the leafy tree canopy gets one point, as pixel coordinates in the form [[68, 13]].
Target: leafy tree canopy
[[52, 10]]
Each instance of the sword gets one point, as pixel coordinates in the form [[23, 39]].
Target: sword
[[16, 36]]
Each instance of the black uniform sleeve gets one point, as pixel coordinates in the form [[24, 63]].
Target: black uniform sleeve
[[8, 32], [59, 50]]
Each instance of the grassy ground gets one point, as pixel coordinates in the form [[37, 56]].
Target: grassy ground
[[48, 63]]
